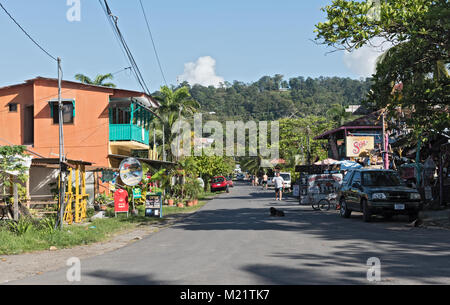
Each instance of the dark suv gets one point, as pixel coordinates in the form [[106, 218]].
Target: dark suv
[[375, 191]]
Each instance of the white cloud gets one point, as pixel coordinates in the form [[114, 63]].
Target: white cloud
[[363, 60], [201, 72]]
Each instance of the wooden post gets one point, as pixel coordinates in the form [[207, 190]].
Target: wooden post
[[77, 195]]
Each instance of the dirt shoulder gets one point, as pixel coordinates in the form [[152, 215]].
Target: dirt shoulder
[[16, 267]]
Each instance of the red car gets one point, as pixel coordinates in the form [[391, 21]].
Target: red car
[[230, 181], [219, 183]]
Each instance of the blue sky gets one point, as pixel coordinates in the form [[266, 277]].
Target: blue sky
[[246, 39]]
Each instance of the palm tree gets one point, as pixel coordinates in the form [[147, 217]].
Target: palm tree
[[338, 114], [98, 81], [173, 105]]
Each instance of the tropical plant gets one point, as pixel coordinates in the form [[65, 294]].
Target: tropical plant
[[338, 115], [173, 105], [11, 158], [48, 224], [98, 81], [192, 188], [22, 226]]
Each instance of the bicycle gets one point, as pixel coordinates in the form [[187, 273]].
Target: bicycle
[[325, 203]]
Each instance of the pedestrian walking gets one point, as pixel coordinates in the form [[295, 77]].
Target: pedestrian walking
[[265, 181], [279, 186]]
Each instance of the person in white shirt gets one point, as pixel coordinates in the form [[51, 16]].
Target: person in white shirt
[[279, 185]]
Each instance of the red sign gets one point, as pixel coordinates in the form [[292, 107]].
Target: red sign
[[121, 201]]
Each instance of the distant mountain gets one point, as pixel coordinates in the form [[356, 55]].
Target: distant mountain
[[272, 98]]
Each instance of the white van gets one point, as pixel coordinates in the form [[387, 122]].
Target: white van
[[287, 179]]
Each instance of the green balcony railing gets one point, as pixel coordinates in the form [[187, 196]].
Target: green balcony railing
[[128, 132]]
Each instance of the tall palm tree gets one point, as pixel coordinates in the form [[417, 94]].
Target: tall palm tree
[[173, 105], [98, 81]]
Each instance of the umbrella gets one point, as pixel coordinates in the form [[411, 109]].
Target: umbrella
[[326, 162], [346, 165]]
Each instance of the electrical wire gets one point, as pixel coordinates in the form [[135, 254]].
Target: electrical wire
[[114, 23], [28, 35], [127, 68], [153, 42]]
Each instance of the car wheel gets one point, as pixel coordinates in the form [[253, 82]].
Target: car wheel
[[414, 216], [344, 211], [388, 216], [367, 215]]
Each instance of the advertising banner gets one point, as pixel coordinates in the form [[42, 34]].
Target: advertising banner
[[121, 201], [356, 146]]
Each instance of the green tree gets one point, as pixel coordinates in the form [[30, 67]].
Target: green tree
[[10, 161], [98, 81], [173, 105], [418, 31], [338, 114]]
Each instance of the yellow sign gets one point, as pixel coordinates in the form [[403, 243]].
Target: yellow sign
[[359, 145]]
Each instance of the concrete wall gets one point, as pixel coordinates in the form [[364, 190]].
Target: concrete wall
[[12, 123], [87, 138]]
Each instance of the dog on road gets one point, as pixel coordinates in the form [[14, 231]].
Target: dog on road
[[276, 213]]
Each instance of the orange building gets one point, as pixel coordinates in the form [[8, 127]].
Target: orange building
[[99, 122]]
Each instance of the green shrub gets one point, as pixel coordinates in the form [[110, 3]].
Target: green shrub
[[21, 227]]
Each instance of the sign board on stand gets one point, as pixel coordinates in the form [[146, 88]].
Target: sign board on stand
[[153, 205], [121, 202], [131, 173]]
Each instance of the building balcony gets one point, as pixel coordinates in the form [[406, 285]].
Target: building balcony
[[128, 132]]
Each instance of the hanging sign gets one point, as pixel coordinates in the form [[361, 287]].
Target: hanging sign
[[359, 145], [130, 171]]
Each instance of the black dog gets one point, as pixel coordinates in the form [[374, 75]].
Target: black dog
[[276, 213]]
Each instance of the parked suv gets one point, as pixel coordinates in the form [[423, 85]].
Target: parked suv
[[377, 192]]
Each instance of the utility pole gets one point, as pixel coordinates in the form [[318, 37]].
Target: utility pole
[[62, 182]]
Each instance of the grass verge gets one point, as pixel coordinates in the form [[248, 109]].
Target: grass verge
[[38, 239]]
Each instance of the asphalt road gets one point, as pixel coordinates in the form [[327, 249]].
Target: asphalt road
[[233, 240]]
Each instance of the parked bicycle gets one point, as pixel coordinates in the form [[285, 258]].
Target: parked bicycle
[[324, 202]]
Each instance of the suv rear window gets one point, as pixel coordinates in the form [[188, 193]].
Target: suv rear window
[[218, 180]]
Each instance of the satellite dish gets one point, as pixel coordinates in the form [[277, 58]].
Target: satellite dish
[[130, 171]]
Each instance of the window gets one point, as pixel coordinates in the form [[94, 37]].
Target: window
[[381, 179], [12, 107], [68, 112], [356, 178], [347, 177]]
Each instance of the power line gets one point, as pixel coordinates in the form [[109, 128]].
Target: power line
[[153, 42], [28, 35], [127, 68], [113, 21]]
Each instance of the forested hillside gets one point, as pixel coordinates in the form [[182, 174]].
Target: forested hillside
[[272, 98]]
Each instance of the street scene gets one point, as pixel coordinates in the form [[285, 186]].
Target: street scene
[[234, 240], [151, 143]]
